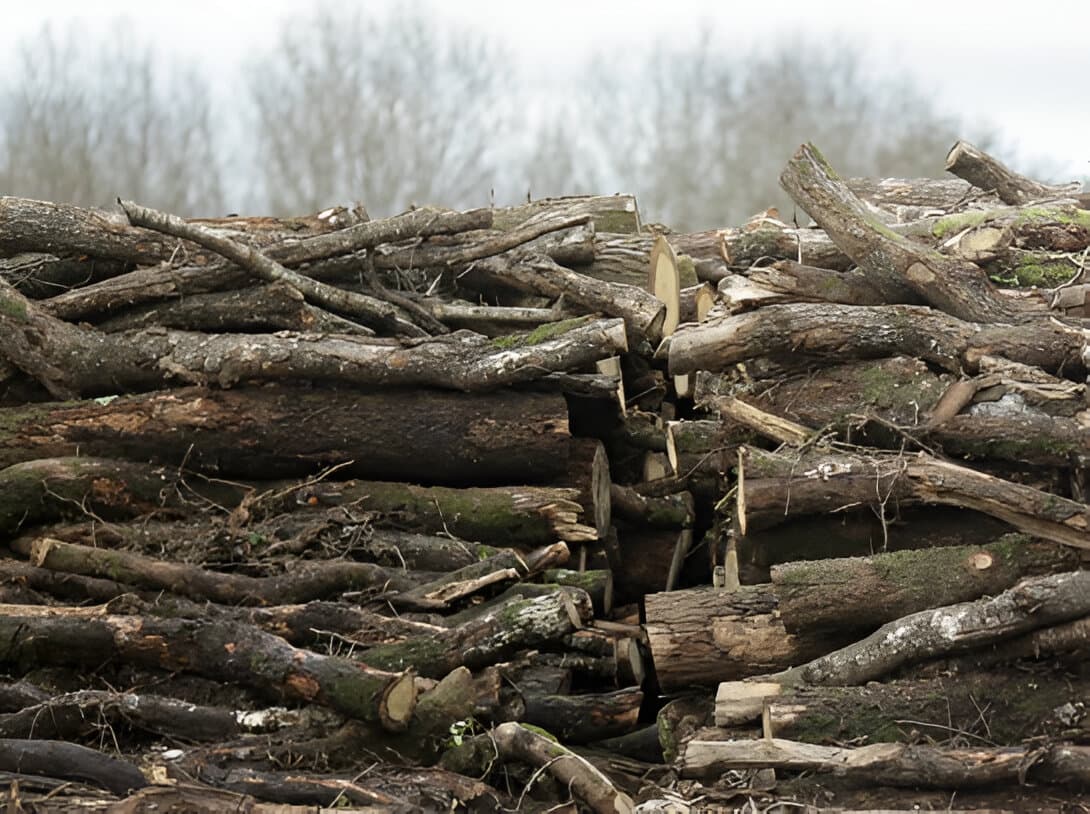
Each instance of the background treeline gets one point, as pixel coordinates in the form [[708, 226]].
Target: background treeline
[[402, 109]]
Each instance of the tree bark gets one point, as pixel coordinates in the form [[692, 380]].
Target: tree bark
[[986, 173], [586, 717]]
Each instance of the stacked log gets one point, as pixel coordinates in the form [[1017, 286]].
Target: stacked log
[[531, 505]]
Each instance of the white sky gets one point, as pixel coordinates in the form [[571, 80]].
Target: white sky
[[1025, 68]]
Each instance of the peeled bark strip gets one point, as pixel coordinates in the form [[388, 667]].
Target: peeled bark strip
[[798, 334], [1033, 603], [224, 651], [70, 361], [987, 173], [444, 438], [892, 764], [892, 262], [839, 594]]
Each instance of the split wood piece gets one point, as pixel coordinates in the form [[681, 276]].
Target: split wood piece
[[893, 764], [224, 651], [642, 313], [838, 594], [987, 173], [701, 636], [1033, 603], [585, 717], [444, 438], [1019, 706], [503, 566], [656, 466], [812, 284], [374, 312], [69, 761], [259, 309], [598, 583], [519, 516], [54, 488], [608, 213], [588, 471], [68, 360], [696, 301], [672, 511], [893, 263], [773, 487], [802, 333], [664, 282], [518, 624], [763, 423], [75, 232], [611, 367], [588, 784], [312, 581]]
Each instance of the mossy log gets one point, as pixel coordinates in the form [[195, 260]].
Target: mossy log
[[839, 594], [518, 624], [1020, 706], [598, 583], [225, 651]]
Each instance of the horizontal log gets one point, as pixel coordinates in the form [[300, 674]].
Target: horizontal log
[[443, 438], [585, 717], [608, 213], [987, 173], [224, 651]]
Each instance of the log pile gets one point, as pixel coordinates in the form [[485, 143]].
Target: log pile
[[539, 509]]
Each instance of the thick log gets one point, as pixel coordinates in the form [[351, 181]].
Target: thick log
[[1033, 603], [69, 360], [224, 651], [598, 583], [802, 283], [799, 334], [1019, 706], [892, 262], [672, 511], [773, 487], [586, 717], [892, 764], [839, 594], [696, 302], [442, 438], [989, 174], [743, 248], [588, 472], [702, 636], [909, 199]]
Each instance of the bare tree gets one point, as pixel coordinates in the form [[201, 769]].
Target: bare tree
[[701, 133], [86, 120], [390, 111]]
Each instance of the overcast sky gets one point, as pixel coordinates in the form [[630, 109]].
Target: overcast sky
[[1027, 71]]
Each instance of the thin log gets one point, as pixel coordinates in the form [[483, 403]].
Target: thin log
[[894, 263], [585, 717], [608, 213], [989, 174], [70, 761]]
